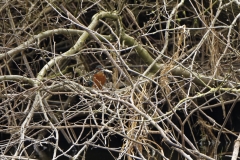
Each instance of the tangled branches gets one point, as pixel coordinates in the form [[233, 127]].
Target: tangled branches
[[166, 65]]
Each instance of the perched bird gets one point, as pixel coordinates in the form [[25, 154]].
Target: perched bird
[[99, 78]]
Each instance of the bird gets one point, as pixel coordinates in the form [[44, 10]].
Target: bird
[[99, 78]]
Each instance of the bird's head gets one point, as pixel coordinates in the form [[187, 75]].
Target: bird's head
[[99, 67]]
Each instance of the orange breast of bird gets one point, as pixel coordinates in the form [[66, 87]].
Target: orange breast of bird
[[99, 79]]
